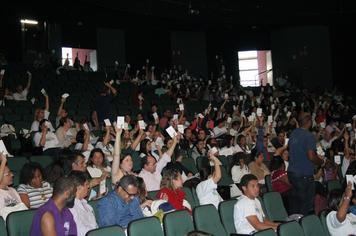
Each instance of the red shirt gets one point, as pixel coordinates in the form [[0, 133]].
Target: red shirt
[[277, 184], [175, 198]]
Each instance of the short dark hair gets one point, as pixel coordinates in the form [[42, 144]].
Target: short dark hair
[[276, 163], [63, 184], [95, 150], [334, 198], [127, 180], [79, 177], [28, 172], [246, 179]]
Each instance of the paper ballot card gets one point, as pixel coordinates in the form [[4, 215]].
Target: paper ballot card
[[3, 148], [65, 95], [289, 113], [270, 119], [171, 131], [258, 100], [43, 91], [226, 96], [259, 111], [337, 159], [141, 124], [120, 120], [273, 106], [155, 116], [286, 140], [111, 82], [350, 178], [200, 116], [241, 98], [179, 100], [228, 120], [2, 72], [107, 122], [85, 125], [181, 107], [293, 104], [181, 129], [175, 117], [213, 150], [322, 125]]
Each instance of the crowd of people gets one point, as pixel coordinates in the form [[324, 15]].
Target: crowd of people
[[300, 138]]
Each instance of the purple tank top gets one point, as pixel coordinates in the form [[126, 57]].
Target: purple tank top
[[64, 221]]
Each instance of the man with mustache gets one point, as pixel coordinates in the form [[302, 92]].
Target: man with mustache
[[54, 217]]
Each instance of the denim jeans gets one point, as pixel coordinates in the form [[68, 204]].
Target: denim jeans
[[303, 193]]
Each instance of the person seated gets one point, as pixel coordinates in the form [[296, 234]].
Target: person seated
[[258, 168], [207, 189], [10, 200], [238, 170], [64, 133], [54, 217], [279, 179], [120, 206], [45, 138], [21, 93], [338, 220], [83, 143], [248, 213], [151, 169], [171, 190], [97, 167], [33, 190], [40, 114], [82, 212]]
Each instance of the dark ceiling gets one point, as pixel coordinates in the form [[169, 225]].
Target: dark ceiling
[[196, 13]]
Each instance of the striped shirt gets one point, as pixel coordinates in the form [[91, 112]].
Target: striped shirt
[[37, 196]]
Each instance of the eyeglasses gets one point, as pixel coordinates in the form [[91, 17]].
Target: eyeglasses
[[130, 194]]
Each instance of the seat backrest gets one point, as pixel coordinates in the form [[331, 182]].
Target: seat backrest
[[206, 218], [189, 163], [2, 227], [107, 231], [177, 223], [189, 197], [323, 222], [266, 232], [291, 228], [273, 204], [226, 212], [268, 182], [312, 226], [152, 194], [43, 160], [333, 184], [19, 223], [148, 226]]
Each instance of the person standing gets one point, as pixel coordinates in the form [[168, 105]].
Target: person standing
[[302, 158]]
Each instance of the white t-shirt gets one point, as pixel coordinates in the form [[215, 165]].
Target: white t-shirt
[[336, 228], [83, 215], [207, 193], [51, 140], [36, 124], [243, 208], [20, 96], [236, 174], [219, 131]]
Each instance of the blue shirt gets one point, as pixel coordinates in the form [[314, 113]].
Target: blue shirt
[[113, 210], [300, 142]]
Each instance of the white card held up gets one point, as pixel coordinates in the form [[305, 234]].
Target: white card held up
[[181, 107], [258, 100], [94, 172], [85, 126], [3, 148], [179, 100], [350, 178], [273, 106], [251, 118], [259, 111], [293, 104], [107, 122], [337, 159], [155, 116], [46, 114], [322, 125], [213, 150], [289, 113], [270, 119], [2, 72], [241, 98], [286, 140], [348, 125], [171, 131], [181, 129], [141, 124], [43, 91], [226, 96], [111, 82], [65, 95], [33, 100], [120, 120], [228, 120], [200, 116], [175, 117]]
